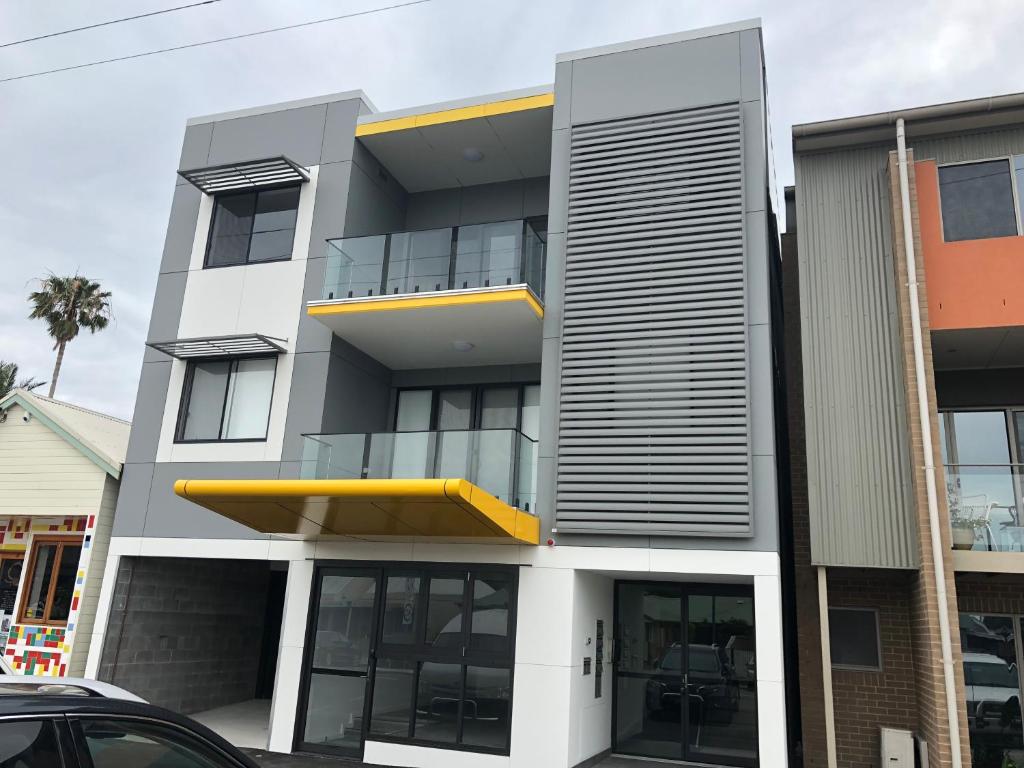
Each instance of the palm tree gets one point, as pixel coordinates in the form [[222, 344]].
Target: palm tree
[[69, 304], [9, 379]]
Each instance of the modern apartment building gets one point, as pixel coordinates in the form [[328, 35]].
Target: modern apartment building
[[907, 262], [455, 442]]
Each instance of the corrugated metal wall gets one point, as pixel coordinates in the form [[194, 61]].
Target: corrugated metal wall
[[855, 405], [654, 393]]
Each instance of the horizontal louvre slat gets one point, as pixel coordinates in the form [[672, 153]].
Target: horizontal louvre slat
[[653, 404]]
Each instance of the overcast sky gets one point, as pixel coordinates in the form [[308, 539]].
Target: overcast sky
[[88, 157]]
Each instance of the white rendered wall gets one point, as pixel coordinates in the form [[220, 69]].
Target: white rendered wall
[[556, 721]]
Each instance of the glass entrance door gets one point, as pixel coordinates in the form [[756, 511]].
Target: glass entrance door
[[339, 665], [685, 686]]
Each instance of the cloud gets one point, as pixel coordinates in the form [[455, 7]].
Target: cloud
[[90, 155]]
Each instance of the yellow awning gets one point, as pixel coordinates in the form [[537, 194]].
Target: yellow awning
[[446, 509]]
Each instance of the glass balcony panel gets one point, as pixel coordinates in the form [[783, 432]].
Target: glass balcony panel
[[485, 255], [984, 502], [355, 267], [500, 461], [489, 255], [419, 261]]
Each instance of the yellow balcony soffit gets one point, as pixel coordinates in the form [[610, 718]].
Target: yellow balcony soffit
[[449, 509], [454, 115], [431, 301]]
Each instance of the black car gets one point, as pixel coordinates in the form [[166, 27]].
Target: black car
[[58, 724]]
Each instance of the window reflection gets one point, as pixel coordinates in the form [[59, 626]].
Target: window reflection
[[992, 687]]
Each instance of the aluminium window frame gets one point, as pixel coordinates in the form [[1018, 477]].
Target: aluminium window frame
[[382, 569], [1013, 189], [186, 395], [248, 245], [878, 639], [62, 541]]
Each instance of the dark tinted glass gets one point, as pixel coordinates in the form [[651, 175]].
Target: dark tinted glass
[[853, 636], [344, 622], [401, 609], [274, 224], [232, 224], [977, 201], [444, 612], [391, 713], [437, 702], [205, 405], [39, 586], [486, 707], [489, 628], [64, 591], [25, 743], [124, 744]]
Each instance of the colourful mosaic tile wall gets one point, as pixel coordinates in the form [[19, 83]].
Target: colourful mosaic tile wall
[[39, 650]]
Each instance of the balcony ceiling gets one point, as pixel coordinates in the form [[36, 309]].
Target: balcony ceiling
[[371, 510], [428, 154], [431, 330], [978, 348]]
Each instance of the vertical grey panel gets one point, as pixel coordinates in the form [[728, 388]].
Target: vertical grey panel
[[181, 229], [858, 463], [195, 147], [147, 418], [653, 408], [297, 133]]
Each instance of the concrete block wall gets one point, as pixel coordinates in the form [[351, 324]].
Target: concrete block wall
[[186, 633]]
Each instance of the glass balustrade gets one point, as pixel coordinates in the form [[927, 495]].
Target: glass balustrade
[[984, 503], [454, 258], [502, 462]]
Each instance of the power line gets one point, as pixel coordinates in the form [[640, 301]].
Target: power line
[[217, 40], [107, 23]]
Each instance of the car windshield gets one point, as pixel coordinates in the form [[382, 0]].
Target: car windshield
[[991, 675], [703, 660]]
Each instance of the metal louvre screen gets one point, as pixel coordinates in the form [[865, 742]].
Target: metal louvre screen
[[653, 400]]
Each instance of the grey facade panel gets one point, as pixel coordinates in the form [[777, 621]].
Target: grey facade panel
[[181, 229], [855, 406], [653, 411], [133, 498], [195, 148], [147, 418], [296, 133]]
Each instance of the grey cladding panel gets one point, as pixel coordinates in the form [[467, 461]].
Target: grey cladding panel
[[653, 397]]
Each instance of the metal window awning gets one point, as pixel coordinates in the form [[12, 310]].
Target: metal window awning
[[248, 175], [449, 509], [220, 346]]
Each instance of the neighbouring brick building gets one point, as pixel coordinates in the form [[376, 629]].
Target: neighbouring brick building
[[923, 585]]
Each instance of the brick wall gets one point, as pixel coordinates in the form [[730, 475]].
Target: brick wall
[[186, 633], [925, 604], [865, 701], [812, 716], [990, 593]]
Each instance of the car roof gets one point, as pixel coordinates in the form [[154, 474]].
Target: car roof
[[984, 658], [19, 705]]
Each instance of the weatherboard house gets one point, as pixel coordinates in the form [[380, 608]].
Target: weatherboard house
[[60, 469]]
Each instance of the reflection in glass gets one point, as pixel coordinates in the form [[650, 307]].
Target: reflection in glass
[[354, 267], [486, 707], [444, 611], [721, 682], [977, 200], [391, 711], [489, 623], [418, 261], [437, 702], [334, 713], [989, 646], [401, 609], [487, 255], [344, 622]]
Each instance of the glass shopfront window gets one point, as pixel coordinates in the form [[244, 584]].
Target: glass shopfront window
[[411, 653]]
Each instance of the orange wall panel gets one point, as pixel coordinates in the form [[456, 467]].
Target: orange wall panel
[[971, 283]]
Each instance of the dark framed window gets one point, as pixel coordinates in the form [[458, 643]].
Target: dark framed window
[[29, 743], [411, 653], [252, 227], [977, 200], [226, 400], [50, 584], [854, 638]]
